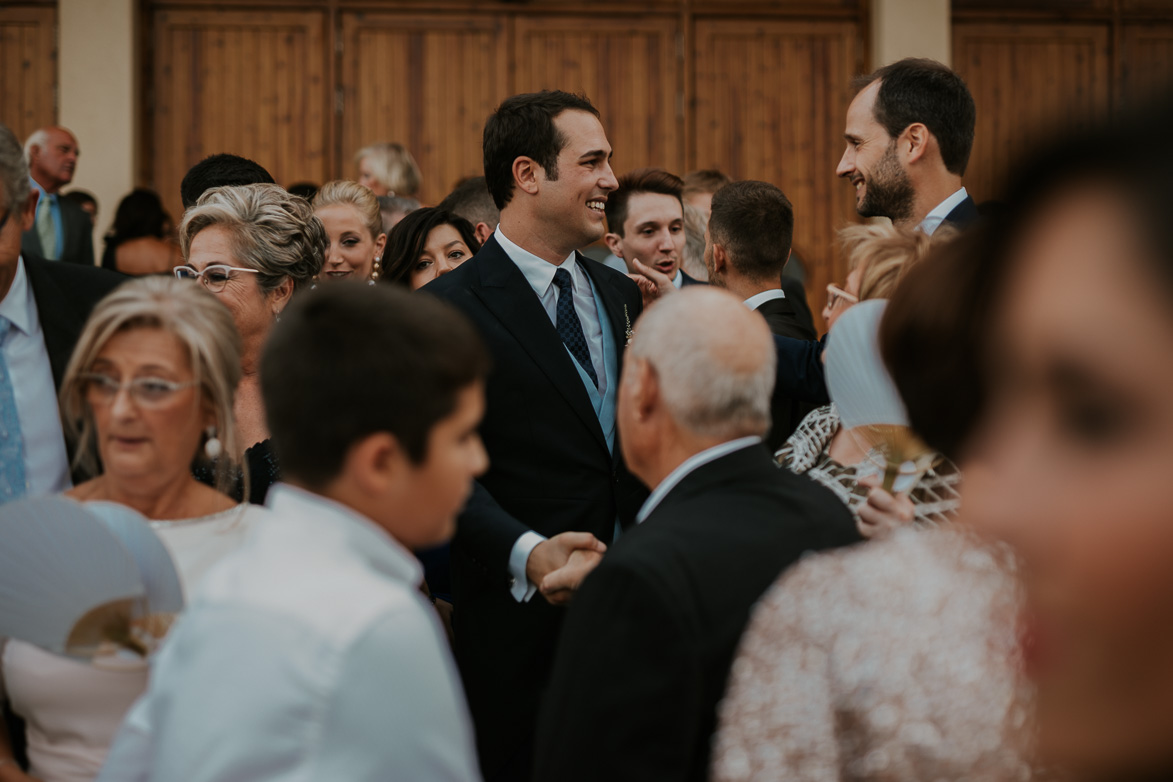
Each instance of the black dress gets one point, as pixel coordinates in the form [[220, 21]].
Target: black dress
[[263, 472]]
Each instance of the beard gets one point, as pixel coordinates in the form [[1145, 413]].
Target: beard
[[888, 192]]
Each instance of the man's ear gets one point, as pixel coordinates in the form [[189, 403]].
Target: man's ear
[[28, 212], [720, 260], [279, 296], [614, 243], [482, 232], [375, 463], [647, 389], [525, 174], [914, 142]]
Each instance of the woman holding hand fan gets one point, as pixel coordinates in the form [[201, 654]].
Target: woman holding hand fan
[[147, 394]]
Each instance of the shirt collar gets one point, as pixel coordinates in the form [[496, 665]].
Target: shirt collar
[[37, 186], [758, 299], [688, 466], [538, 272], [17, 305], [678, 280], [934, 218], [364, 538]]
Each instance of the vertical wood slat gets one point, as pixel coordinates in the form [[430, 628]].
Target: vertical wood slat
[[1147, 62], [28, 69], [250, 83], [771, 101], [1028, 81], [427, 82]]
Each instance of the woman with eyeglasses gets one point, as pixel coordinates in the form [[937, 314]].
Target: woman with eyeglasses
[[253, 247], [147, 393], [879, 256]]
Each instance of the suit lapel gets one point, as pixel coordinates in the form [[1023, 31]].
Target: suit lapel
[[59, 325], [507, 294], [621, 320]]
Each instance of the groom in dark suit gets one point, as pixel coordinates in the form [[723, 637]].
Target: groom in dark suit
[[556, 492], [649, 639]]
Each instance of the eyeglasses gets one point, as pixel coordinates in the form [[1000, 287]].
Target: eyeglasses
[[214, 277], [145, 391], [835, 293]]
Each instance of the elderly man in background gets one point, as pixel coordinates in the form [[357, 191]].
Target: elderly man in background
[[650, 637], [62, 231]]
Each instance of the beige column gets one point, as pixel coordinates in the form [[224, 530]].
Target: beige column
[[910, 28], [98, 89]]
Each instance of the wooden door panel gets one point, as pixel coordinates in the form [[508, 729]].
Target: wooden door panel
[[629, 69], [771, 104], [253, 84], [1147, 67], [28, 69], [1028, 81], [427, 82]]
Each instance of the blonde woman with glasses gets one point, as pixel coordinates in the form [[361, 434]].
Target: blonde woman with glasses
[[253, 247], [147, 393]]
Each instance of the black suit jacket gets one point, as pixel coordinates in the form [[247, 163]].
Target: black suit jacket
[[963, 215], [785, 410], [550, 471], [79, 236], [686, 280], [65, 294], [651, 635]]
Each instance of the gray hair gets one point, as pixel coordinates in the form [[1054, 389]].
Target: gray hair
[[14, 170], [200, 322], [692, 260], [393, 166], [272, 231], [714, 359], [38, 139]]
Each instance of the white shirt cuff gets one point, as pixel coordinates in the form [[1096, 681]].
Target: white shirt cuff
[[519, 584]]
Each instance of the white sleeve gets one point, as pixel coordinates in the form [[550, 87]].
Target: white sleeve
[[519, 584], [129, 759], [398, 711]]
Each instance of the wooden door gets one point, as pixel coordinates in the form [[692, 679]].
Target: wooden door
[[427, 82], [250, 83], [629, 69], [28, 68], [1147, 63], [1028, 81], [771, 104]]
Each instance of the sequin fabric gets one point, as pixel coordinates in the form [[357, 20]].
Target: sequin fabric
[[895, 660], [935, 496]]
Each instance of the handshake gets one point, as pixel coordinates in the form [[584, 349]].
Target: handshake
[[558, 565]]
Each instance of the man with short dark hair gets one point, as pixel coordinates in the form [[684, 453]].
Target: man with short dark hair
[[746, 246], [61, 230], [310, 652], [472, 201], [909, 134], [645, 221], [555, 323], [649, 640], [222, 170]]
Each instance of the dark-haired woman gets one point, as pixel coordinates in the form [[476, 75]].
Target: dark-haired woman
[[140, 240], [426, 244]]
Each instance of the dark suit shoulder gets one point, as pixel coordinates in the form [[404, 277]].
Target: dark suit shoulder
[[80, 283]]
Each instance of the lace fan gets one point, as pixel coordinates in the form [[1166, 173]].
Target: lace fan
[[865, 396]]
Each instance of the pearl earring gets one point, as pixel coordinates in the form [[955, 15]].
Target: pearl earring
[[213, 447], [377, 269]]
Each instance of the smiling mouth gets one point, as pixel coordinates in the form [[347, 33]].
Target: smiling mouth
[[338, 275], [597, 205]]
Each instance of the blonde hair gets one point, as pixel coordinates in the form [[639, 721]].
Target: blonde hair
[[393, 166], [271, 231], [200, 322], [348, 193], [883, 254]]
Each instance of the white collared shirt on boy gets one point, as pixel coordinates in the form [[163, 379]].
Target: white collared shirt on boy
[[308, 654]]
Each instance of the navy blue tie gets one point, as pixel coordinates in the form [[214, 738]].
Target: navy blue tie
[[569, 326]]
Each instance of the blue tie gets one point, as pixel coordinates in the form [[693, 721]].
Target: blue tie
[[12, 479], [569, 326]]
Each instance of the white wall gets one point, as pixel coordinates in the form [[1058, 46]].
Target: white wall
[[910, 28]]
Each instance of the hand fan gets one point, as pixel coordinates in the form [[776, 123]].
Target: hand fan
[[58, 564], [865, 396]]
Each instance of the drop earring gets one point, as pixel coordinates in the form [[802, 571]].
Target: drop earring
[[377, 269], [212, 447]]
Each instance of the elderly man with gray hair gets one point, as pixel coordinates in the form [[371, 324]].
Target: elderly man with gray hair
[[650, 637]]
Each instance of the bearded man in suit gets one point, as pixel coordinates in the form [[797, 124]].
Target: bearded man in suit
[[556, 492]]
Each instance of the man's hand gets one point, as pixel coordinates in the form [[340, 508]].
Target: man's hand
[[883, 512], [558, 554], [559, 587], [653, 285]]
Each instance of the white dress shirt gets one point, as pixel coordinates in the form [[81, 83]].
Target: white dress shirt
[[678, 280], [539, 273], [934, 218], [686, 467], [46, 464], [308, 654], [758, 299]]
